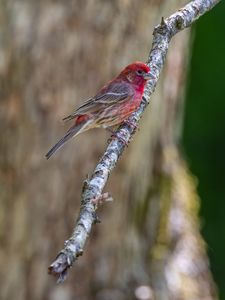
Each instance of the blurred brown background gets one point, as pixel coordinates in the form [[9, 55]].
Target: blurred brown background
[[54, 55]]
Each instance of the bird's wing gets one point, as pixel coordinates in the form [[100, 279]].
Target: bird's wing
[[109, 95]]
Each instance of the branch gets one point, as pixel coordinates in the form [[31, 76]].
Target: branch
[[93, 187]]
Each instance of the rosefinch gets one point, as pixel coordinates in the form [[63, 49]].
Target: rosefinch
[[112, 105]]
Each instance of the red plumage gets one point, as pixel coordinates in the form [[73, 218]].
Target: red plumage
[[113, 103]]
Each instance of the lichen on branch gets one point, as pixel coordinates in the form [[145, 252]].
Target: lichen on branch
[[93, 187]]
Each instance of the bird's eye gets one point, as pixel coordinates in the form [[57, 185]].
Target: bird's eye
[[139, 72]]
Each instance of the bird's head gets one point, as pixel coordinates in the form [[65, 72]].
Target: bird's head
[[137, 73]]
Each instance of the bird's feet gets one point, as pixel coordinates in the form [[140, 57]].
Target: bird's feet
[[131, 124], [116, 135], [120, 138]]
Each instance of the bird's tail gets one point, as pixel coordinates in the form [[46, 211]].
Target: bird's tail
[[73, 131]]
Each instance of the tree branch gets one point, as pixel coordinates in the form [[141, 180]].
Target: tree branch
[[93, 187]]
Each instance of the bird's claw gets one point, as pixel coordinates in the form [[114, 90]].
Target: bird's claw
[[132, 124], [120, 138]]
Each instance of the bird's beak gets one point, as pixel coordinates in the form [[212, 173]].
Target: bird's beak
[[149, 76]]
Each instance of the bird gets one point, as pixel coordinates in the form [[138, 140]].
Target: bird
[[112, 104]]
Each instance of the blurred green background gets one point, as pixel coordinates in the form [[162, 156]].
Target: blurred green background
[[204, 132]]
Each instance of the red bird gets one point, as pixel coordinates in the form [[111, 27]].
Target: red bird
[[113, 103]]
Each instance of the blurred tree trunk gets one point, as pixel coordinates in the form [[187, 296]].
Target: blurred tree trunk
[[53, 55]]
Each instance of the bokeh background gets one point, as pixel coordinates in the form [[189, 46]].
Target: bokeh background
[[168, 187], [204, 132]]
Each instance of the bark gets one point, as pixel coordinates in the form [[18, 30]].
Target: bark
[[50, 55]]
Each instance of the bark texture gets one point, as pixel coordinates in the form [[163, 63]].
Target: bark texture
[[53, 55]]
